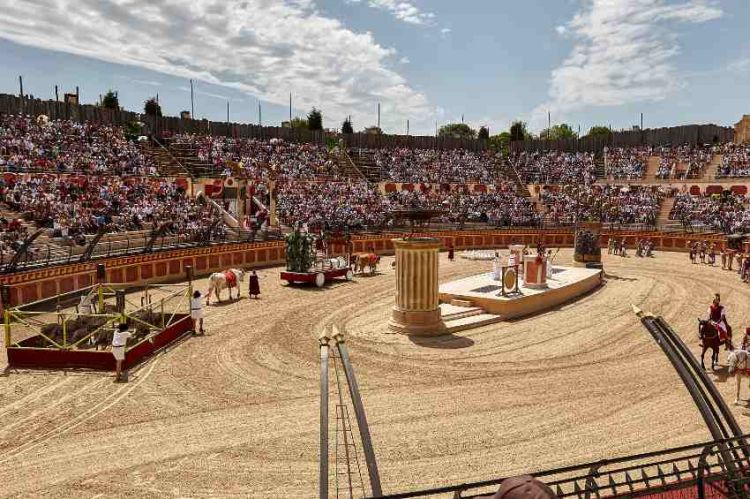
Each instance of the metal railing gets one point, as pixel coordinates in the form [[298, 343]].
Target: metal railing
[[126, 244], [689, 471]]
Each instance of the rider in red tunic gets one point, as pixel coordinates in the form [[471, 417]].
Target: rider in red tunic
[[717, 317]]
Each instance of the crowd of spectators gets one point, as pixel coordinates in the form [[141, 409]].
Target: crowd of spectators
[[357, 205], [264, 159], [499, 205], [682, 162], [354, 205], [456, 166], [735, 161], [726, 212], [39, 145], [608, 203], [555, 167], [74, 205], [627, 163]]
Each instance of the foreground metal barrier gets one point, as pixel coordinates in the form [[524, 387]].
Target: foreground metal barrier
[[689, 471]]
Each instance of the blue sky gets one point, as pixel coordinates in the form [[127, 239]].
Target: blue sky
[[586, 61]]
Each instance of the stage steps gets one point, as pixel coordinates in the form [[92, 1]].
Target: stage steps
[[458, 317]]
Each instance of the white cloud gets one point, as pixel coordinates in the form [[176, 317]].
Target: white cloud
[[739, 66], [147, 82], [623, 53], [402, 10], [404, 60], [263, 47], [445, 31]]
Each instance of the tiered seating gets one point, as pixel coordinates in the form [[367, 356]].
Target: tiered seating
[[683, 162], [436, 166], [735, 161], [627, 163], [554, 167], [717, 212], [38, 145], [74, 205], [500, 206], [254, 158], [611, 203]]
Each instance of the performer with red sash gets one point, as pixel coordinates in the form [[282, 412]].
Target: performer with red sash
[[717, 317]]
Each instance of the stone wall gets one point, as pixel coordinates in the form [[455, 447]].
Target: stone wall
[[742, 130]]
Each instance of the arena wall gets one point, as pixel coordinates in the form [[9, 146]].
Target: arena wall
[[169, 266]]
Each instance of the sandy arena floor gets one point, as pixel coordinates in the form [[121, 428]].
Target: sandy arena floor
[[235, 413]]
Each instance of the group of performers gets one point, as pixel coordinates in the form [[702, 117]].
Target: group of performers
[[643, 247], [705, 252]]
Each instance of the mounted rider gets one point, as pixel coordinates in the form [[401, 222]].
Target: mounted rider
[[717, 317]]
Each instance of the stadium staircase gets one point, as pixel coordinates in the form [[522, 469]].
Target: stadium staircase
[[662, 220], [713, 167], [505, 170], [347, 166], [364, 161], [599, 168], [187, 155], [167, 164], [652, 168]]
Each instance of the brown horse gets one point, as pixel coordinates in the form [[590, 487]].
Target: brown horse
[[710, 338], [369, 260]]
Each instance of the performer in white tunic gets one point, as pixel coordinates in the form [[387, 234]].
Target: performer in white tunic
[[119, 341], [496, 268], [196, 312], [549, 264]]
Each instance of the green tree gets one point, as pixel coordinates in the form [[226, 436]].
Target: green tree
[[484, 133], [518, 131], [457, 131], [151, 107], [563, 131], [346, 126], [315, 120], [557, 132], [298, 122], [600, 131], [110, 100], [500, 142]]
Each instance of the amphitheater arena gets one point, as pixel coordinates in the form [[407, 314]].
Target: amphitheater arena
[[235, 413]]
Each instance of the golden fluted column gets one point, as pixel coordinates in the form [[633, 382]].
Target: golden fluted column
[[417, 308]]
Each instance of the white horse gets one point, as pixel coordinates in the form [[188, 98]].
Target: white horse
[[737, 361], [224, 280]]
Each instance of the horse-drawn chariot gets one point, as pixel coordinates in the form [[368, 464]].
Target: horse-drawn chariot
[[317, 258]]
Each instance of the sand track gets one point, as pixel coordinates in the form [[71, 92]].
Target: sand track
[[234, 414]]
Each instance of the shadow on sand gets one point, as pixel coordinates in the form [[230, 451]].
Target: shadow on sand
[[445, 342]]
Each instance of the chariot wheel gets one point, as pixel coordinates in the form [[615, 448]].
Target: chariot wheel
[[349, 275], [320, 279]]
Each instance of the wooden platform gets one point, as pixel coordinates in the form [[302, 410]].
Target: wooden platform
[[482, 292]]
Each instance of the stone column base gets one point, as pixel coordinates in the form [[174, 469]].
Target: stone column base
[[418, 323]]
